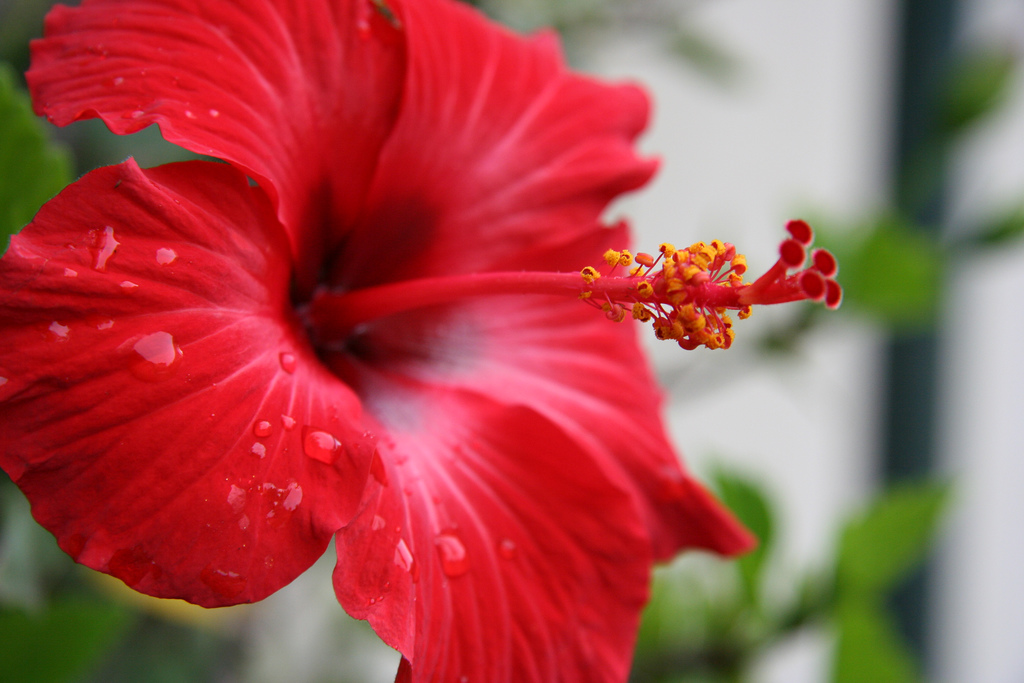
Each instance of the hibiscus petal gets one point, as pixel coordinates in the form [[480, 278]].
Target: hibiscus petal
[[158, 406], [500, 157], [566, 361], [301, 95], [491, 547]]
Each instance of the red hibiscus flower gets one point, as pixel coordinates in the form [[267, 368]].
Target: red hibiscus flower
[[208, 371]]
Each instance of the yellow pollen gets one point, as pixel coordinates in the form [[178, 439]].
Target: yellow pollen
[[590, 274], [640, 313], [688, 297]]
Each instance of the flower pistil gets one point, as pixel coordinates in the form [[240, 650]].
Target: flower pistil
[[687, 298]]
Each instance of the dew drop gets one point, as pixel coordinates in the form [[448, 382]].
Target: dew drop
[[243, 522], [294, 497], [262, 429], [214, 113], [378, 523], [454, 560], [319, 445], [508, 549], [226, 584], [59, 332], [404, 559], [105, 325], [288, 422], [106, 245], [138, 113], [129, 286], [236, 498], [258, 449], [165, 256], [131, 565], [157, 357], [288, 362], [377, 468], [118, 80], [189, 114], [70, 272]]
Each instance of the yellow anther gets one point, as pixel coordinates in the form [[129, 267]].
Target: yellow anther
[[739, 264], [666, 249], [590, 274], [644, 289], [640, 313], [625, 258], [689, 272], [636, 271], [735, 280], [611, 257], [745, 312], [586, 295]]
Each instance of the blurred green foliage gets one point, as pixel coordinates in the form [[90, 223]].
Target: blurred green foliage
[[711, 622], [34, 169]]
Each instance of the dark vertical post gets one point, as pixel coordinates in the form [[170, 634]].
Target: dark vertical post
[[912, 365]]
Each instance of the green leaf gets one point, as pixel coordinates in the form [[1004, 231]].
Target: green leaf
[[1004, 229], [31, 169], [979, 84], [749, 503], [890, 271], [61, 643], [890, 538], [869, 649]]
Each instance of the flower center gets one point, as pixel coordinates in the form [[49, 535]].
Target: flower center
[[685, 293]]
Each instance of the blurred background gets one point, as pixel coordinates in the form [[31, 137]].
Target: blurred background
[[876, 451]]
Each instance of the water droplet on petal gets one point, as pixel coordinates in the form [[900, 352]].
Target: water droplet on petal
[[158, 357], [138, 113], [258, 449], [288, 421], [69, 272], [129, 286], [118, 80], [214, 113], [225, 584], [377, 469], [165, 256], [508, 549], [454, 560], [236, 498], [288, 362], [262, 429], [189, 114], [105, 247], [378, 523], [320, 445], [293, 498], [105, 325], [243, 522], [131, 565], [404, 559], [59, 332]]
